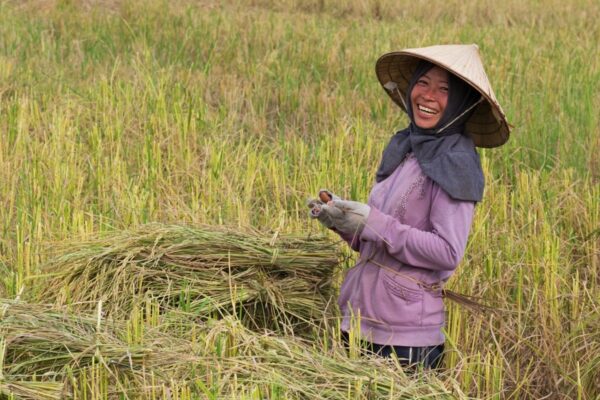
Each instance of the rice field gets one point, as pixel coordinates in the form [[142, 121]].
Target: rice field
[[116, 115]]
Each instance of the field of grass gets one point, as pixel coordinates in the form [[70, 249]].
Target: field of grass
[[119, 113]]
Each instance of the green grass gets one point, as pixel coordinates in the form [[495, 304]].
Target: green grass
[[118, 113]]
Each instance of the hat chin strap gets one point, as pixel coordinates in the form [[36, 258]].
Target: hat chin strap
[[390, 87], [401, 98], [459, 116]]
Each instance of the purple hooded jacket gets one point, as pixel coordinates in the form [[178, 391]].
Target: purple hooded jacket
[[415, 232]]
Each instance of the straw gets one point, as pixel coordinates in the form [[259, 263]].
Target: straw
[[210, 271]]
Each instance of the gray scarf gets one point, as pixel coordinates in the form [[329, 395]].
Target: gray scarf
[[448, 158]]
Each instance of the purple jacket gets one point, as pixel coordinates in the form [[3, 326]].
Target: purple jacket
[[414, 232]]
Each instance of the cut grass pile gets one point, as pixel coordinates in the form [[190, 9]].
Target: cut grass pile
[[272, 281], [51, 353]]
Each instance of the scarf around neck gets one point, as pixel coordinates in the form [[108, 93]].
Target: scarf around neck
[[449, 157]]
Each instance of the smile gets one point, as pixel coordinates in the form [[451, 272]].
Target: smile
[[426, 110]]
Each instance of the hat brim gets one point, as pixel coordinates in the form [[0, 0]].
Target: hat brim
[[487, 125]]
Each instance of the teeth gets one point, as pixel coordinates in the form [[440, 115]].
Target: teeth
[[427, 110]]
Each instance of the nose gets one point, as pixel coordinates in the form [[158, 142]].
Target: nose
[[429, 94]]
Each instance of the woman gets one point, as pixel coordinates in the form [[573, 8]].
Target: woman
[[413, 232]]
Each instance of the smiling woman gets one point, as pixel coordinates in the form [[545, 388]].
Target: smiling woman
[[413, 231]]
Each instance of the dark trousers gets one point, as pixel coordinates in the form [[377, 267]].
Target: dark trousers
[[428, 357]]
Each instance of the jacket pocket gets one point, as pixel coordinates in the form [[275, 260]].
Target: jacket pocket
[[403, 305], [408, 294]]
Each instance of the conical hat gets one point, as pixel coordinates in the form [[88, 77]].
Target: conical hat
[[487, 126]]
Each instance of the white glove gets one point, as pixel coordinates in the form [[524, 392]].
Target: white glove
[[344, 216], [316, 208], [348, 216]]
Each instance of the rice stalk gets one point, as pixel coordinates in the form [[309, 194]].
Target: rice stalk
[[272, 281], [68, 352], [31, 390]]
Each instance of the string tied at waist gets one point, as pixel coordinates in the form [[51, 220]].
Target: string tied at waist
[[437, 287]]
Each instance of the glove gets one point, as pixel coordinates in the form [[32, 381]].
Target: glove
[[348, 216], [326, 196], [343, 216], [317, 205]]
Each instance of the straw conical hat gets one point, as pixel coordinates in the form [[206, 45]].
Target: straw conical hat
[[487, 126]]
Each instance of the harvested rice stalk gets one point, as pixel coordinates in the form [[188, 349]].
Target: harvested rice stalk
[[24, 326], [304, 371], [222, 358], [31, 390], [270, 281], [47, 349]]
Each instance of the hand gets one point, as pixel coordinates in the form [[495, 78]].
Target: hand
[[344, 216], [349, 216], [326, 196], [319, 209]]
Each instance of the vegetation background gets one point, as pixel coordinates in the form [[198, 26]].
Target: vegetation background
[[118, 113]]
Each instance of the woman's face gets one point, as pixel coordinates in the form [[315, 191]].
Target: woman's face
[[429, 98]]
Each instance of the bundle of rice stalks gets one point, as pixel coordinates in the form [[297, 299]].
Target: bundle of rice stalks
[[294, 368], [269, 281], [48, 353], [30, 390], [52, 353]]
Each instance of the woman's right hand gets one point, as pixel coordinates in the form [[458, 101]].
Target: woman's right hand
[[319, 209]]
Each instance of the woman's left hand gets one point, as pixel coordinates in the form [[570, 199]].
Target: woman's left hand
[[345, 216]]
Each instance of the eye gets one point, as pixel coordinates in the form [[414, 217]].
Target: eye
[[421, 82], [444, 89]]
